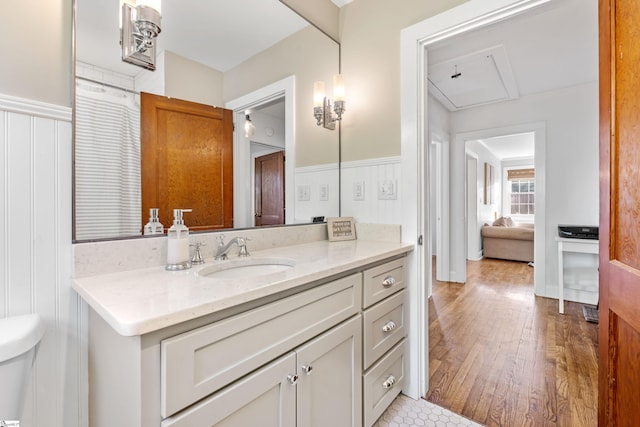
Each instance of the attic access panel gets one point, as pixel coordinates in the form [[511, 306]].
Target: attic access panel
[[478, 78]]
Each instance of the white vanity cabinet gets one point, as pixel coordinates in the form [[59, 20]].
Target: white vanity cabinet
[[329, 352], [384, 339], [315, 385], [237, 365]]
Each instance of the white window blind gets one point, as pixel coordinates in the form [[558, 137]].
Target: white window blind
[[107, 162]]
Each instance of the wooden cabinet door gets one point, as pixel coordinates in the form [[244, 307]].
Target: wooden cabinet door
[[266, 398], [619, 318], [330, 369], [269, 184], [187, 161]]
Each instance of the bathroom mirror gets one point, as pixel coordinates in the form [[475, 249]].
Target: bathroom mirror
[[240, 54]]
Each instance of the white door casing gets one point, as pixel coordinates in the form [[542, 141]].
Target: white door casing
[[413, 109]]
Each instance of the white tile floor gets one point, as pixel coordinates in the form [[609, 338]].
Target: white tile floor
[[406, 412]]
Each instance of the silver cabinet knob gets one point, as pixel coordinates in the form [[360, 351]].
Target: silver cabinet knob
[[388, 281], [307, 369], [292, 379], [389, 326], [389, 382]]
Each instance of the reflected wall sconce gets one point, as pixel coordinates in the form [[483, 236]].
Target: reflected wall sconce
[[139, 29], [322, 105], [249, 128]]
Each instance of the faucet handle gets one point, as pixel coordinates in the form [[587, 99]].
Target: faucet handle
[[197, 256], [242, 243]]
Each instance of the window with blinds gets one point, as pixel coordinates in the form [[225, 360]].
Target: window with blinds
[[107, 162], [521, 191]]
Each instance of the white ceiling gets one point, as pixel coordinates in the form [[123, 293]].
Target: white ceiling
[[549, 48], [511, 147]]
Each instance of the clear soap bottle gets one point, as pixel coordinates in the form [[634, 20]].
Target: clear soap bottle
[[178, 243], [154, 226]]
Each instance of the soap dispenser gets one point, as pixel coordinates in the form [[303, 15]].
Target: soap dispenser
[[178, 243], [153, 226]]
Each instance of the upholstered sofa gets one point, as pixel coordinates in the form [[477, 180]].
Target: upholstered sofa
[[505, 239]]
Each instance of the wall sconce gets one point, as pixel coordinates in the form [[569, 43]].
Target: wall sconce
[[322, 105], [249, 128], [140, 26]]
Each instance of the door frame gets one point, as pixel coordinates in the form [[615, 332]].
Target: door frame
[[414, 159], [440, 176], [243, 194], [458, 260], [472, 206]]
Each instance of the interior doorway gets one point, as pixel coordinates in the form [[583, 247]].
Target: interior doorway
[[491, 193], [468, 16], [281, 91]]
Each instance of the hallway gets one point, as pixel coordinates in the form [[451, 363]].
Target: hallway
[[503, 357]]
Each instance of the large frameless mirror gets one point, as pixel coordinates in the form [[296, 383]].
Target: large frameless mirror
[[256, 58]]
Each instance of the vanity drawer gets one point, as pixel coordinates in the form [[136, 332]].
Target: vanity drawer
[[383, 326], [383, 383], [199, 362], [381, 281]]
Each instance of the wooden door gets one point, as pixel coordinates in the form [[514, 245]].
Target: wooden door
[[187, 161], [269, 189], [619, 318]]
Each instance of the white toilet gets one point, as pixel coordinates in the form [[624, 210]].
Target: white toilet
[[19, 337]]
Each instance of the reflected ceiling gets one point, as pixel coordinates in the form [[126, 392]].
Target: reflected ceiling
[[238, 26]]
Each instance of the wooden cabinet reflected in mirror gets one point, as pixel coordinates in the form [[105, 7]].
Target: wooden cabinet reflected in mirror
[[187, 161]]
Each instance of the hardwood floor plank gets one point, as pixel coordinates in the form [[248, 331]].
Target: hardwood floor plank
[[501, 356]]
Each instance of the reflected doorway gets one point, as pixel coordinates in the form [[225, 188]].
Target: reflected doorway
[[258, 105]]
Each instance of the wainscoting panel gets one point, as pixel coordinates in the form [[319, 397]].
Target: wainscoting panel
[[323, 198], [35, 254], [370, 175]]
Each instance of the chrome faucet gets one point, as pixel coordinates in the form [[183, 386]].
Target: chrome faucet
[[223, 249]]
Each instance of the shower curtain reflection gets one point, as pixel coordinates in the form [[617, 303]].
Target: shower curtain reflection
[[107, 171]]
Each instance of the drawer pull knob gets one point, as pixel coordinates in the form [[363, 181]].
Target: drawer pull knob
[[307, 369], [388, 281], [389, 382], [389, 326], [292, 379]]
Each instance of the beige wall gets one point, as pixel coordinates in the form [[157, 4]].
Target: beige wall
[[309, 55], [370, 38], [186, 79], [35, 47]]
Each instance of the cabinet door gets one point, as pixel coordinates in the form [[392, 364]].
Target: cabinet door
[[329, 368], [266, 398]]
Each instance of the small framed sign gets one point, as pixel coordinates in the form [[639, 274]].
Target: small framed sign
[[343, 228]]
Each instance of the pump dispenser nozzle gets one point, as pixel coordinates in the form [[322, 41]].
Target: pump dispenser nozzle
[[177, 215]]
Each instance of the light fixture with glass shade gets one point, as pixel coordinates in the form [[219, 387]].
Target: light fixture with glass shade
[[322, 110], [139, 28], [249, 128]]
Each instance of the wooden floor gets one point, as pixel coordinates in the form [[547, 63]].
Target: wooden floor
[[503, 357]]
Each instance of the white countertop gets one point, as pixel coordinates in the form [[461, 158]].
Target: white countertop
[[141, 301]]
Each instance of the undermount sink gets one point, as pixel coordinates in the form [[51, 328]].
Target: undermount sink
[[246, 267]]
